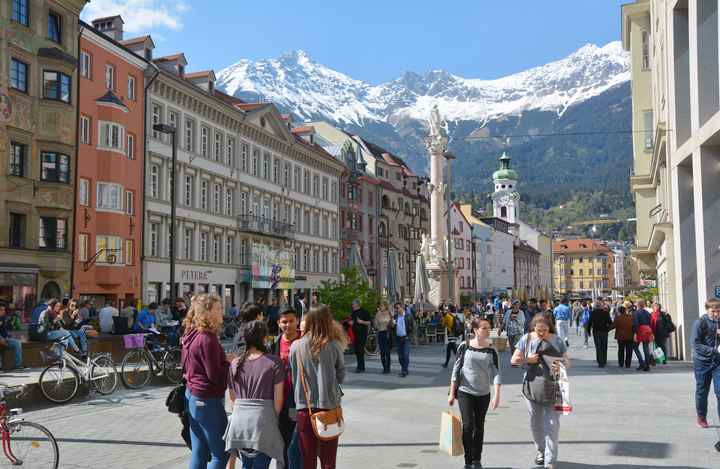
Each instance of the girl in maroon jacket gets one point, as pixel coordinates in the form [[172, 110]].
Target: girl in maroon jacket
[[206, 369]]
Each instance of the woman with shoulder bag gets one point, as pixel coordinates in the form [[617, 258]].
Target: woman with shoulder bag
[[538, 385], [476, 369], [318, 369], [205, 371]]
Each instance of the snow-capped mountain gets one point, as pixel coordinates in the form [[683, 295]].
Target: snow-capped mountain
[[310, 90]]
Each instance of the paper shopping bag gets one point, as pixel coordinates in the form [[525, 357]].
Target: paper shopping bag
[[451, 434]]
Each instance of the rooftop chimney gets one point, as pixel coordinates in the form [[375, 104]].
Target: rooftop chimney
[[111, 26]]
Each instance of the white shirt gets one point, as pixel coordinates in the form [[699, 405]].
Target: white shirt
[[106, 318]]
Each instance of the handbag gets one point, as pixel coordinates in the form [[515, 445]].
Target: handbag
[[539, 385], [451, 434], [175, 400], [327, 425]]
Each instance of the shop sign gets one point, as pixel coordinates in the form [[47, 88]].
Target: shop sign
[[272, 268], [195, 275], [12, 278]]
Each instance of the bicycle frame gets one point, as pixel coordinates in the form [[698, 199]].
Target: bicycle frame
[[83, 368], [5, 422]]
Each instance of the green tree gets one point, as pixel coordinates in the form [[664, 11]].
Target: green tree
[[339, 294]]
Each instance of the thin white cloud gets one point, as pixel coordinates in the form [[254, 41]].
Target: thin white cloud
[[140, 15]]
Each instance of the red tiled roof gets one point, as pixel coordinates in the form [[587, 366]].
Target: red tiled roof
[[250, 106], [135, 40], [231, 100], [305, 129], [389, 159], [579, 246], [105, 18], [170, 58], [204, 73]]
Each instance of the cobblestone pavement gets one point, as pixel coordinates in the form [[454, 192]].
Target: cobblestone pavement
[[622, 419]]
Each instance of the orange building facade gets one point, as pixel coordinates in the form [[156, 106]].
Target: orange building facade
[[109, 191]]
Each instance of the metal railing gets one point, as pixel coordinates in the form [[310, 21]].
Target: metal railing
[[266, 226]]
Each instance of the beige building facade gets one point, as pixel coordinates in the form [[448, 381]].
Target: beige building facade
[[38, 113]]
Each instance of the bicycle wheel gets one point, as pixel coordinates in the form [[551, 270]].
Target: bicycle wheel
[[172, 369], [136, 369], [32, 445], [103, 375], [59, 383], [371, 345]]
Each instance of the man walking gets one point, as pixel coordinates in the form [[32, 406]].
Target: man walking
[[599, 325], [563, 315], [360, 325], [513, 324], [404, 328], [706, 359]]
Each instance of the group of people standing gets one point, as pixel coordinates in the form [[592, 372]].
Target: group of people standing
[[271, 410]]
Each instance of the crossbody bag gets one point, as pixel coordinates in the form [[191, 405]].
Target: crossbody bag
[[327, 425]]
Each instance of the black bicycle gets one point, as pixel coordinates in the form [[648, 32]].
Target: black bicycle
[[148, 357]]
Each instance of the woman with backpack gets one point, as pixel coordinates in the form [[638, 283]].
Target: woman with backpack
[[535, 351], [318, 369], [662, 326], [476, 370]]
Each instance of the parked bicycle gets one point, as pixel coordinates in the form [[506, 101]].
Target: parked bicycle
[[59, 382], [141, 362], [24, 443]]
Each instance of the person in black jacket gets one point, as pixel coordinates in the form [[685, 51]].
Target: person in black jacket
[[600, 324]]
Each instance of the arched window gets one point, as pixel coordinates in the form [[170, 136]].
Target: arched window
[[50, 290], [385, 201], [503, 212], [382, 230]]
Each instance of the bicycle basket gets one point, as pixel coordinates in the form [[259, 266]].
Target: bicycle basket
[[134, 341], [50, 355]]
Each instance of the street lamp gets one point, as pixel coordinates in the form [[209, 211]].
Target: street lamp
[[170, 129], [451, 283]]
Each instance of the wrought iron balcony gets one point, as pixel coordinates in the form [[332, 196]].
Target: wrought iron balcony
[[266, 226]]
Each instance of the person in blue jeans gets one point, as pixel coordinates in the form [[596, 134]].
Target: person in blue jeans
[[706, 359], [6, 339], [404, 328]]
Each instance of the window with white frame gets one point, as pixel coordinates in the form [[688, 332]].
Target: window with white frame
[[217, 198], [266, 209], [325, 188], [244, 253], [266, 166], [648, 128], [216, 248], [129, 252], [110, 76], [287, 214], [230, 152], [204, 246], [154, 181], [84, 192], [154, 238], [156, 116], [130, 150], [333, 228], [189, 135], [244, 148], [131, 88], [296, 185], [109, 196], [229, 201], [333, 262], [316, 224], [83, 247], [173, 119], [203, 194], [188, 190], [276, 170], [255, 162], [306, 181], [130, 203], [85, 64], [111, 136], [325, 267], [229, 249], [188, 244], [316, 185], [645, 50], [243, 203], [85, 126], [286, 174], [109, 246], [333, 192], [204, 136], [217, 153], [306, 222], [325, 226]]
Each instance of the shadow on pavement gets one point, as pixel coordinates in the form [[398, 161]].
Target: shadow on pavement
[[573, 465]]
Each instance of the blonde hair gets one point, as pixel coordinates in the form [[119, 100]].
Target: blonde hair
[[198, 316], [322, 329]]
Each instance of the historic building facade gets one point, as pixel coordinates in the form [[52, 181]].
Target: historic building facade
[[38, 112], [109, 197], [462, 254], [583, 268]]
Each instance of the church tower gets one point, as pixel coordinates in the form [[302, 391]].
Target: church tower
[[506, 199]]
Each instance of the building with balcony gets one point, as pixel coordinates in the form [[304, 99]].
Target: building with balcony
[[583, 269], [674, 49], [109, 197], [38, 115]]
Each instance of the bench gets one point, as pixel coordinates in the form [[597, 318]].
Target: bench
[[32, 357]]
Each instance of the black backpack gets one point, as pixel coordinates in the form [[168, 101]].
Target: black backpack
[[458, 328]]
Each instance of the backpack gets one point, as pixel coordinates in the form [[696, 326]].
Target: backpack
[[539, 385], [458, 328]]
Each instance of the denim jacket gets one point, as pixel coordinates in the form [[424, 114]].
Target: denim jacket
[[705, 344]]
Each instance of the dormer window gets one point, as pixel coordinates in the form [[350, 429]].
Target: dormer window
[[181, 70], [211, 87], [148, 54]]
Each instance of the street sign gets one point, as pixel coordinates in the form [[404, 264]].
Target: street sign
[[717, 291]]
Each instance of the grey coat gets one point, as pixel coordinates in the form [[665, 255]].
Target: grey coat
[[254, 425], [322, 375]]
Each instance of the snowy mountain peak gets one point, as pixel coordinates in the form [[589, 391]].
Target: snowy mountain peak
[[310, 90]]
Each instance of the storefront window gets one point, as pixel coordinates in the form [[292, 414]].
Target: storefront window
[[17, 290]]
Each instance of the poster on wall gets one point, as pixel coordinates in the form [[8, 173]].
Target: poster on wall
[[272, 268]]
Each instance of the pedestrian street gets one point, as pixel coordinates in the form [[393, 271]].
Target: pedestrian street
[[621, 419]]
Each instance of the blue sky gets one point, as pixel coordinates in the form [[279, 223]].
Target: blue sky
[[373, 40]]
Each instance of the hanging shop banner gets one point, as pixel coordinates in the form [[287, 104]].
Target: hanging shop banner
[[272, 268]]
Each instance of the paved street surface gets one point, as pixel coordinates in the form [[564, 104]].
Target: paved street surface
[[622, 419]]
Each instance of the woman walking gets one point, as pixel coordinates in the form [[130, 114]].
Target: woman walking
[[544, 419], [256, 383], [320, 354], [205, 371], [476, 369], [662, 326], [624, 336], [383, 323]]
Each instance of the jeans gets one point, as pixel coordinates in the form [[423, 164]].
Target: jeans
[[207, 427], [16, 346], [60, 334], [705, 373], [287, 430], [586, 334], [512, 341], [384, 345], [545, 427], [601, 344], [311, 447], [644, 362], [451, 348], [293, 453], [563, 329], [80, 336], [404, 353], [625, 351], [256, 460], [360, 340], [473, 410]]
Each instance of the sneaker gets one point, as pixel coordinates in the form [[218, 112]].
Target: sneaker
[[477, 465], [540, 459], [702, 422]]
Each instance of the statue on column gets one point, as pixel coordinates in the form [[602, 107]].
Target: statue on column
[[437, 141]]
